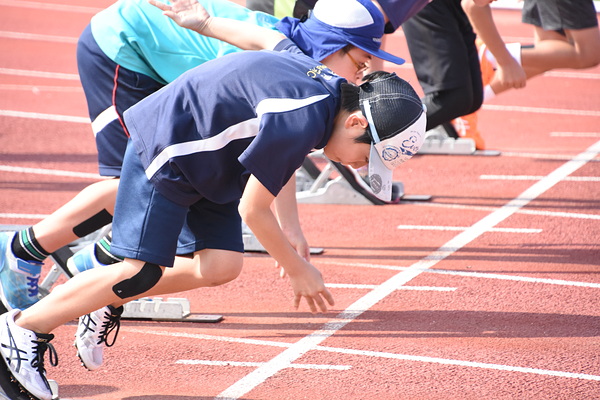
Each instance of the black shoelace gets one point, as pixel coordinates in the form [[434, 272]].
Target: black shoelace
[[111, 323], [41, 344]]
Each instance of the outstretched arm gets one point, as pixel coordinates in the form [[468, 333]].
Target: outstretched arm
[[286, 208], [510, 73], [191, 15], [306, 280]]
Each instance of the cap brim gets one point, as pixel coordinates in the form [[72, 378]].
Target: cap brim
[[380, 177], [384, 55]]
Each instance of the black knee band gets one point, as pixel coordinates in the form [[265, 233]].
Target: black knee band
[[140, 283], [93, 223]]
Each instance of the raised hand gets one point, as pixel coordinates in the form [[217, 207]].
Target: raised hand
[[186, 13]]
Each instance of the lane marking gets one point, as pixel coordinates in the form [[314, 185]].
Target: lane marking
[[537, 178], [561, 157], [23, 216], [47, 117], [40, 88], [52, 7], [258, 364], [541, 110], [486, 208], [377, 354], [54, 172], [464, 228], [363, 286], [39, 74], [461, 363], [38, 37], [575, 134], [472, 274], [309, 342]]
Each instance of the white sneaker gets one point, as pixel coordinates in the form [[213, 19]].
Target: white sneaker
[[92, 333], [23, 351]]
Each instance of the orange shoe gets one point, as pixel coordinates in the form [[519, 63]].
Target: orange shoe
[[487, 68], [466, 127]]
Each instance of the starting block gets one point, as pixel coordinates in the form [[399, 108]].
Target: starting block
[[437, 141], [251, 243], [170, 309]]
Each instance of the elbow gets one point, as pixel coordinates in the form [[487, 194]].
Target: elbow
[[248, 213]]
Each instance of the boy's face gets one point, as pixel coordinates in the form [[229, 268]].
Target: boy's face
[[341, 146], [350, 65]]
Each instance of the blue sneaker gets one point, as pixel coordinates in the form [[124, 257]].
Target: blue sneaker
[[18, 278], [83, 260]]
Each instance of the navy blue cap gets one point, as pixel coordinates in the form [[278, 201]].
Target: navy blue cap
[[333, 24]]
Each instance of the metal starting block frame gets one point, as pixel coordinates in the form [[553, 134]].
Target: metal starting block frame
[[170, 309], [437, 141]]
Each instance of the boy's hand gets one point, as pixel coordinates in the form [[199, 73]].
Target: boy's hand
[[186, 13], [309, 284], [299, 243]]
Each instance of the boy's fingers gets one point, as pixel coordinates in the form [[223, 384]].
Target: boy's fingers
[[297, 299], [328, 297], [311, 304], [159, 4]]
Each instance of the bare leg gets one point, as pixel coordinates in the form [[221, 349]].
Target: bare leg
[[56, 230], [92, 289], [577, 50], [208, 268]]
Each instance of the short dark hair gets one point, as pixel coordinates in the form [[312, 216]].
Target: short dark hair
[[350, 100]]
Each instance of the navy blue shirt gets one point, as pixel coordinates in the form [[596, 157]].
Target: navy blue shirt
[[255, 112]]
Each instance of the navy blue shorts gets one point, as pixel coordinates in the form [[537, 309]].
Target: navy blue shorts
[[149, 227], [558, 15], [109, 90]]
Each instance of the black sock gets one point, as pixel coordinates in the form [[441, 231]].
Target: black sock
[[26, 247]]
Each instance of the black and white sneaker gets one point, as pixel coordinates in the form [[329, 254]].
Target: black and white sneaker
[[92, 334], [23, 350]]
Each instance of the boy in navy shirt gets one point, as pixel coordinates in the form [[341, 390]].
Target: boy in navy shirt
[[212, 148]]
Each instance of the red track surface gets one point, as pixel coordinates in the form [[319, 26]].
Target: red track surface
[[505, 306]]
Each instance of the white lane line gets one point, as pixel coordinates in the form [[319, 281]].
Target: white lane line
[[47, 117], [575, 134], [41, 88], [462, 363], [572, 74], [537, 178], [464, 228], [363, 286], [541, 110], [560, 157], [38, 37], [50, 6], [55, 172], [472, 274], [39, 74], [309, 342], [374, 354], [258, 364], [23, 216], [484, 208]]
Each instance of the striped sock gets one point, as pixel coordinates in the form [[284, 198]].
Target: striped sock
[[102, 251], [26, 247]]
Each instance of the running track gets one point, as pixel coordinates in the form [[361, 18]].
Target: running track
[[488, 291]]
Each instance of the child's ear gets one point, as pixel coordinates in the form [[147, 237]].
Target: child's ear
[[356, 120]]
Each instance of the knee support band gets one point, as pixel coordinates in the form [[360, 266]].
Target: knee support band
[[140, 283], [93, 223]]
